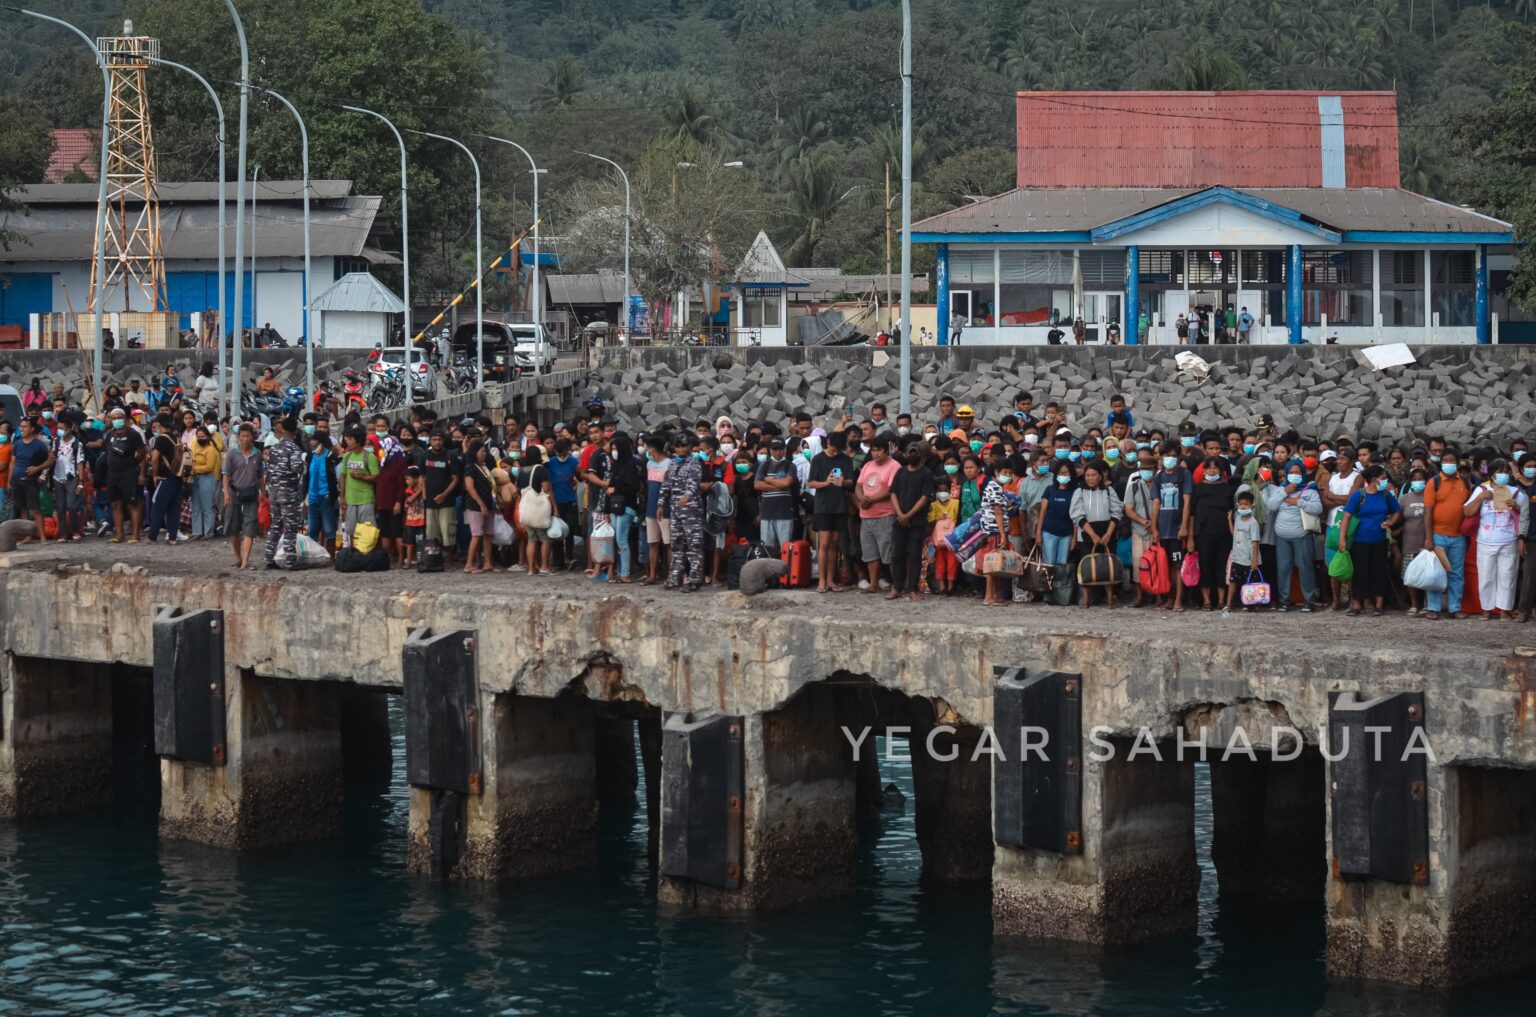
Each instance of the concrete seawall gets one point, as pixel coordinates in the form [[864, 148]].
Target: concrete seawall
[[556, 664]]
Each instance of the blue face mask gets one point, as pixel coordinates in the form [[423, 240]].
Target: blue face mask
[[951, 469], [119, 423], [1042, 469], [679, 457], [1062, 453], [702, 457], [1169, 462], [1529, 472], [5, 439], [1245, 512], [1248, 449], [1295, 478], [1434, 459], [1142, 445], [1111, 454], [1382, 485], [1501, 478], [1074, 456], [1063, 478], [1188, 441], [1417, 485], [976, 446], [762, 457], [1145, 474], [1449, 469]]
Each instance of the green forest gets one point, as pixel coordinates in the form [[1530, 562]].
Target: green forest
[[738, 115]]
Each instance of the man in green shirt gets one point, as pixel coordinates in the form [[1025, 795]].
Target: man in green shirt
[[359, 471]]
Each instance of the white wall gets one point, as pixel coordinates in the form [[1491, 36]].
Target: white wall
[[352, 329]]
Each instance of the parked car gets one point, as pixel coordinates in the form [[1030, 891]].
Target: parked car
[[510, 349], [393, 358], [10, 405]]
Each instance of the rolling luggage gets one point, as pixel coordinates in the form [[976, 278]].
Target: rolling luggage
[[797, 555]]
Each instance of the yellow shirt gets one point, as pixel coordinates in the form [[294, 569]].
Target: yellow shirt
[[205, 458]]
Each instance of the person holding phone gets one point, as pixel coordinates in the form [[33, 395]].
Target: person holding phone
[[831, 479]]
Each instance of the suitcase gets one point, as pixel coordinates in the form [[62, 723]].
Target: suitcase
[[431, 559], [797, 555]]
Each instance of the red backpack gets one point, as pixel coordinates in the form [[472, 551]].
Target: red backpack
[[1153, 570]]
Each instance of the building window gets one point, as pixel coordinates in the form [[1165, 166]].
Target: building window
[[760, 309], [1336, 284], [1402, 289], [1453, 276], [970, 267]]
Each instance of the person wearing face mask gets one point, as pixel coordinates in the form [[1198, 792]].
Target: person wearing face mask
[[683, 504], [321, 487], [1139, 505], [830, 479], [1245, 546], [1174, 485], [1096, 512], [1410, 539], [1445, 497], [1210, 505], [563, 469], [68, 472], [877, 514], [1378, 511], [1525, 600], [775, 483], [124, 473], [1287, 503], [5, 464], [242, 495], [912, 491], [943, 516], [1502, 511], [1055, 533], [206, 461]]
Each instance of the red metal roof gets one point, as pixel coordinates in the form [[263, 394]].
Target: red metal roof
[[1200, 139], [74, 149]]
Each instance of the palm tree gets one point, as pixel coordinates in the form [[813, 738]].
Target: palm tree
[[1420, 165], [562, 84], [1206, 69], [813, 196], [801, 132], [693, 117]]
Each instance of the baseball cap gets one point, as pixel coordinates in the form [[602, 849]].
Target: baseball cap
[[1264, 421], [1328, 456]]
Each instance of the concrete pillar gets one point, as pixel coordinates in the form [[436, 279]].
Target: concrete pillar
[[1476, 915], [954, 802], [941, 292], [55, 736], [1269, 840], [1136, 877], [1132, 296], [800, 835], [1484, 324], [281, 782], [1293, 297], [536, 810]]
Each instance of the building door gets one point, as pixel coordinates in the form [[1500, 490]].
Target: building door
[[960, 303], [1100, 310]]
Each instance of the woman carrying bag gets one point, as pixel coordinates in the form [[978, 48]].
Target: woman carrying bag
[[1096, 513], [536, 510]]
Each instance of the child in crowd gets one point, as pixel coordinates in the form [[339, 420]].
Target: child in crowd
[[1245, 547], [415, 516]]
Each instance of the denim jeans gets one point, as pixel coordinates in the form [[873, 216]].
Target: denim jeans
[[203, 487], [623, 525], [1289, 552], [1456, 550]]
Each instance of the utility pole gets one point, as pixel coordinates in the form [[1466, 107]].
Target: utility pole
[[906, 206], [405, 246], [309, 332], [479, 287], [888, 300], [236, 385]]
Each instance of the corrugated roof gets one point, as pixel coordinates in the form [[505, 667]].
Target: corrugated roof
[[195, 191], [358, 291], [72, 151], [190, 230], [585, 288], [1250, 138], [1080, 209], [829, 283]]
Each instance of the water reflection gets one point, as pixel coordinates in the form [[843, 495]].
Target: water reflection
[[97, 916]]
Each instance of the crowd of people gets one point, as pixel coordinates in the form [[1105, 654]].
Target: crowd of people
[[876, 505]]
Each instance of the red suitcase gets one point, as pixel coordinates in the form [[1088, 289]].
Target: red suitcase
[[797, 555]]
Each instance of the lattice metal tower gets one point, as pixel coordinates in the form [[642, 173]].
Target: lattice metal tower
[[134, 257]]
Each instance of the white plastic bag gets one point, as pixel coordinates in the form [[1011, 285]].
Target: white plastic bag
[[1424, 572], [502, 533], [307, 550], [557, 528], [602, 549]]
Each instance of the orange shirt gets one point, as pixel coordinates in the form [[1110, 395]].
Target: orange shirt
[[5, 466], [1443, 507]]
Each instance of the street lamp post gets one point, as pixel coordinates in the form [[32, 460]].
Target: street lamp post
[[405, 244], [309, 331], [101, 196], [479, 283], [538, 294], [906, 206], [624, 311], [218, 108], [236, 387]]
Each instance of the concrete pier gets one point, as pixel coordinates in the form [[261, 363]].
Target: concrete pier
[[563, 674]]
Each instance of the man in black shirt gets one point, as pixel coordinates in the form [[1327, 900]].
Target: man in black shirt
[[441, 472], [911, 493], [124, 457], [832, 475]]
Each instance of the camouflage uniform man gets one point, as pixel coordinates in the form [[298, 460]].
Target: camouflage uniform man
[[684, 506], [283, 471]]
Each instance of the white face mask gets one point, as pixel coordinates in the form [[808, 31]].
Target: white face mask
[[903, 430]]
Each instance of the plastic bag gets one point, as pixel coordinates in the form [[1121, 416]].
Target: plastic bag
[[365, 536], [502, 533], [557, 528], [1189, 572], [1342, 567], [602, 545], [1424, 572]]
